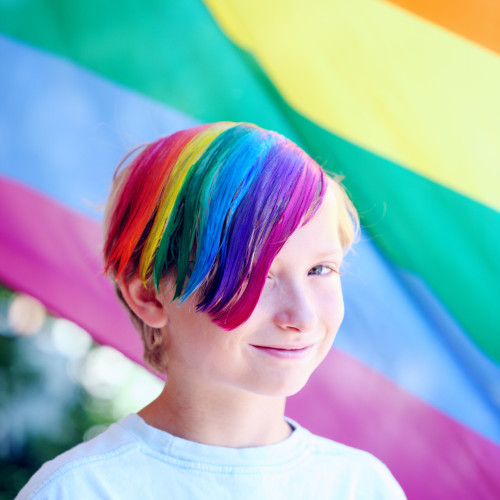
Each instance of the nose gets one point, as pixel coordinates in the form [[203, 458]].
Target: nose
[[295, 309]]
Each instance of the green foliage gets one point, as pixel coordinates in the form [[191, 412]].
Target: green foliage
[[28, 409]]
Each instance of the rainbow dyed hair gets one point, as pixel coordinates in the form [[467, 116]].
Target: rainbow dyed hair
[[211, 206]]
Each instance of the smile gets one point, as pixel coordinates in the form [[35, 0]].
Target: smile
[[285, 352]]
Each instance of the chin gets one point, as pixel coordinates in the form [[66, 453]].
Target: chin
[[284, 388]]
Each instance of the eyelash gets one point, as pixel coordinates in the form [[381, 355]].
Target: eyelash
[[329, 269]]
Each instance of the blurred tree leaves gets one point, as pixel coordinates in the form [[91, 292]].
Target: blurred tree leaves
[[43, 410]]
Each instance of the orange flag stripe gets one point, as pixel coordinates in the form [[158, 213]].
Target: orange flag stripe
[[477, 20]]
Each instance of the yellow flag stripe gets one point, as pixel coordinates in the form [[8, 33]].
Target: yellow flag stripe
[[383, 78]]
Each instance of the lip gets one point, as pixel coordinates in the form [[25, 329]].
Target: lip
[[285, 351]]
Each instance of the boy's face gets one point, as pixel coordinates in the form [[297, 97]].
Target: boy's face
[[290, 331]]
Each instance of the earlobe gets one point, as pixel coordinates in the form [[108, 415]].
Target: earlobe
[[144, 301]]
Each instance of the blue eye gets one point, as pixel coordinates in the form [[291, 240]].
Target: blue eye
[[320, 270]]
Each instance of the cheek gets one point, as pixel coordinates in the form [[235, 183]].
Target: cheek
[[332, 308], [340, 309], [333, 317]]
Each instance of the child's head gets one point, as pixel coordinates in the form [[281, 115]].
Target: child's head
[[209, 208]]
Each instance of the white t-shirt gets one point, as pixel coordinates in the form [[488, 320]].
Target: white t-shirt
[[132, 460]]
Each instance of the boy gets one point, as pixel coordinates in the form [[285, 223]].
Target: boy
[[225, 243]]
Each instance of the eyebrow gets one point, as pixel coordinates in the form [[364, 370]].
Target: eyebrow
[[330, 252]]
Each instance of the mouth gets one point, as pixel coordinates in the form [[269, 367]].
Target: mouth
[[286, 352]]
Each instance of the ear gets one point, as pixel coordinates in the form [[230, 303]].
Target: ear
[[145, 302]]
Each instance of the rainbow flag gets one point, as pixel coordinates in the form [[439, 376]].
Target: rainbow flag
[[401, 96]]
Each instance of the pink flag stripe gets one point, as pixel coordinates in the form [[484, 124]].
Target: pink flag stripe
[[349, 402], [50, 252], [53, 253]]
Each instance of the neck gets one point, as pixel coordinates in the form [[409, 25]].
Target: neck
[[233, 419]]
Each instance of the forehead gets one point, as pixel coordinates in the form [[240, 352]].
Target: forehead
[[320, 236]]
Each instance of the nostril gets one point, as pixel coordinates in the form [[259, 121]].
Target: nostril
[[298, 319]]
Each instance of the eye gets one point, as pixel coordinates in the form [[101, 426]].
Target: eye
[[322, 270]]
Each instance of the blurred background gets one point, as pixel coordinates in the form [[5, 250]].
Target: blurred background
[[57, 388], [400, 97]]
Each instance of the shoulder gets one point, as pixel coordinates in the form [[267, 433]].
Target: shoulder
[[55, 479], [354, 473]]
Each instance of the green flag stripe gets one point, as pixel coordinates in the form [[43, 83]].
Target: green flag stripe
[[448, 239], [171, 51], [175, 53]]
